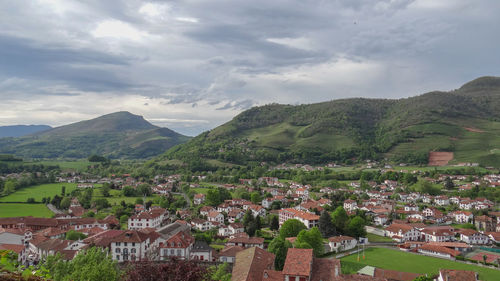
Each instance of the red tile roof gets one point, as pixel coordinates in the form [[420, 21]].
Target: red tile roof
[[231, 251], [251, 263], [458, 275], [440, 249], [298, 262]]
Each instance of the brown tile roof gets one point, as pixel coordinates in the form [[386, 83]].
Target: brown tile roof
[[340, 238], [247, 240], [180, 240], [394, 275], [324, 269], [251, 263], [231, 251], [458, 275], [395, 227], [272, 275], [298, 262], [440, 249], [133, 236], [301, 214], [12, 247]]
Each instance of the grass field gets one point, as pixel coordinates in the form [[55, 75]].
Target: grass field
[[38, 192], [16, 210], [377, 238], [117, 197], [407, 262]]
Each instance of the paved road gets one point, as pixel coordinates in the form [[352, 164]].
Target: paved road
[[54, 209], [185, 197]]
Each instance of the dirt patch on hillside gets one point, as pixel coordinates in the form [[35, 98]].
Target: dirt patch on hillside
[[440, 158], [453, 139], [474, 130]]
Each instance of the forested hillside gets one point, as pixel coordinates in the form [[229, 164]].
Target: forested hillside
[[465, 121]]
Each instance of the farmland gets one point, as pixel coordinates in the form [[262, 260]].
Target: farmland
[[38, 192], [24, 209], [407, 262]]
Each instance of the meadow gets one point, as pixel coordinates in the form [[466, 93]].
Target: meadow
[[407, 262], [24, 209], [38, 192]]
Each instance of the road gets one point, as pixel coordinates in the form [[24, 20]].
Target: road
[[54, 209]]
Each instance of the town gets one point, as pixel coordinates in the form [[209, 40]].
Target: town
[[270, 227]]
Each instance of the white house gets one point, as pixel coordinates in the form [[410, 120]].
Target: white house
[[133, 245], [178, 246], [308, 219], [402, 232], [471, 236], [350, 205], [215, 217], [149, 219], [342, 243]]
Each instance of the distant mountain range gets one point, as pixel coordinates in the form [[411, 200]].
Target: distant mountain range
[[465, 121], [116, 135], [21, 130]]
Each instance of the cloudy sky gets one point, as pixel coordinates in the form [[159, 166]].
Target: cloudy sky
[[192, 65]]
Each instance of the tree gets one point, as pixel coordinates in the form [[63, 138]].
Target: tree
[[279, 247], [75, 235], [63, 190], [339, 219], [65, 203], [30, 200], [326, 226], [105, 190], [124, 219], [423, 278], [255, 197], [275, 223], [291, 228], [128, 191], [92, 264], [220, 272], [310, 239], [485, 257], [101, 203], [56, 201], [448, 183], [356, 227]]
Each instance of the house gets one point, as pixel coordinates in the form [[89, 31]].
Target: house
[[438, 234], [235, 214], [134, 245], [470, 236], [457, 275], [380, 219], [199, 198], [402, 232], [298, 264], [201, 224], [205, 210], [215, 217], [251, 263], [350, 205], [178, 246], [246, 242], [149, 219], [411, 208], [231, 229], [438, 251], [442, 200], [308, 219], [202, 252], [228, 254], [465, 204], [484, 223], [341, 243], [461, 216], [257, 210]]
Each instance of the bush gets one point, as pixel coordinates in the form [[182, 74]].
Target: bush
[[30, 200]]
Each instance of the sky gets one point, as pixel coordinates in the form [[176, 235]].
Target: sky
[[193, 65]]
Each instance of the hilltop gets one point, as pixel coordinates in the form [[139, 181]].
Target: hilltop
[[116, 135], [465, 121]]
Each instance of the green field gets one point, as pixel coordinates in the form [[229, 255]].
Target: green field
[[407, 262], [377, 238], [16, 210], [38, 192], [116, 197]]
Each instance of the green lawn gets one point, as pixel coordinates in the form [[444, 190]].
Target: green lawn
[[16, 210], [38, 192], [407, 262], [377, 238], [117, 197]]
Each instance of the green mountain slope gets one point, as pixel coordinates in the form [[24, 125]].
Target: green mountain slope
[[117, 135], [465, 121]]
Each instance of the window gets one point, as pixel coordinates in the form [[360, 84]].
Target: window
[[118, 257], [179, 252], [125, 244], [117, 243], [132, 250], [117, 250], [172, 252], [133, 244]]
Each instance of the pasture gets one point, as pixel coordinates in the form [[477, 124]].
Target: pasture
[[407, 262], [24, 209]]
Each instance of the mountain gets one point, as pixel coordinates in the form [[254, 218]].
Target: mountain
[[465, 121], [21, 130], [116, 135]]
